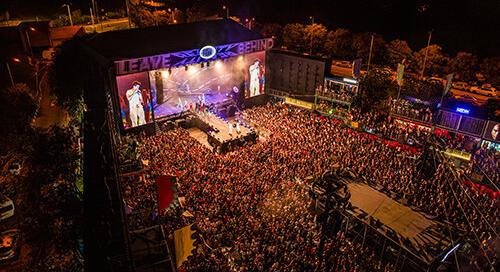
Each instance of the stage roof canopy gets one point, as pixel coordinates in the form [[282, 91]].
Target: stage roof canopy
[[423, 237], [141, 42]]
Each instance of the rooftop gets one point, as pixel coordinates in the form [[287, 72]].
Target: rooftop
[[64, 32], [141, 42]]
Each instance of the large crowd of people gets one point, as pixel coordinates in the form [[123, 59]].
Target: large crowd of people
[[340, 92], [251, 206], [412, 110]]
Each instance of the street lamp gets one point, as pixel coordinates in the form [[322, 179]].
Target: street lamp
[[171, 15], [32, 29], [10, 71], [69, 13], [227, 10], [128, 13], [311, 43], [425, 56]]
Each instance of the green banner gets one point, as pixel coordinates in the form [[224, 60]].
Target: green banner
[[401, 69]]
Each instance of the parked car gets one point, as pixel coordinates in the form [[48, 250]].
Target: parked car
[[343, 63], [488, 90], [460, 85], [6, 207], [15, 168], [435, 80], [9, 245], [485, 89]]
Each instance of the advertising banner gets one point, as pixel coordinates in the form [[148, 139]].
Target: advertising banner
[[299, 103], [187, 57], [491, 132], [401, 69]]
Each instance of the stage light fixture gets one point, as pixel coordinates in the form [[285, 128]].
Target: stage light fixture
[[186, 67], [208, 64], [165, 74], [169, 71], [193, 69], [202, 65]]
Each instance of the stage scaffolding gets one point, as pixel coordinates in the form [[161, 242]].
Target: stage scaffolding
[[422, 252]]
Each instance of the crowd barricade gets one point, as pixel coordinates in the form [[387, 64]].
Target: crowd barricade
[[482, 189]]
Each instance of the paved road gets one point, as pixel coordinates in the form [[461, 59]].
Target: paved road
[[50, 113], [480, 98], [108, 25]]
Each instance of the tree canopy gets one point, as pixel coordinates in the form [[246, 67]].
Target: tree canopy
[[19, 108], [436, 63]]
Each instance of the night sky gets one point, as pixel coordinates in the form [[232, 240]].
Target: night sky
[[459, 25]]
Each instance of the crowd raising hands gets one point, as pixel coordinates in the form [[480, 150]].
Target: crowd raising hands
[[251, 206]]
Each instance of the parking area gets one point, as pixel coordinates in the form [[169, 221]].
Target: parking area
[[481, 99]]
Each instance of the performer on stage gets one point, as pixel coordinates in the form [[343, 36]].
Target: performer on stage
[[238, 129], [136, 104], [256, 72]]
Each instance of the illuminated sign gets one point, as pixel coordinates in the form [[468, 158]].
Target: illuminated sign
[[449, 252], [208, 52], [462, 110], [350, 80], [187, 57], [299, 103]]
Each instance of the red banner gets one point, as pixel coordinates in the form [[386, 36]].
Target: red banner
[[167, 191], [482, 189]]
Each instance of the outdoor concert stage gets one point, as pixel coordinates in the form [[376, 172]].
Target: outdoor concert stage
[[424, 240], [219, 135], [207, 63]]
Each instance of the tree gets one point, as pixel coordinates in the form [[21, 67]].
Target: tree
[[19, 107], [316, 35], [338, 44], [490, 68], [361, 45], [294, 37], [436, 63], [161, 16], [64, 77], [196, 13], [141, 16], [421, 89], [270, 30], [464, 65], [492, 106], [177, 16], [56, 215], [397, 51], [377, 85]]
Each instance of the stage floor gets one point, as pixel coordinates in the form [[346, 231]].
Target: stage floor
[[171, 101], [223, 128], [200, 136]]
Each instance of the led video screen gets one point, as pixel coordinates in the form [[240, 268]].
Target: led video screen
[[492, 131], [167, 92], [181, 88], [135, 99]]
